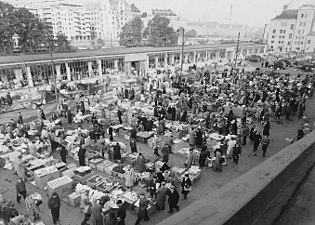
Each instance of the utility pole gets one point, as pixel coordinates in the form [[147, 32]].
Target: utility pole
[[237, 47], [182, 61], [53, 70]]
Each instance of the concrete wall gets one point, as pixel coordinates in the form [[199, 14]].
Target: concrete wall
[[257, 196]]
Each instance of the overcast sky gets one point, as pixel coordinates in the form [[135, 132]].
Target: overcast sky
[[249, 12]]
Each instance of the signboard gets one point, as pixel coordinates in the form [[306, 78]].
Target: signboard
[[136, 57]]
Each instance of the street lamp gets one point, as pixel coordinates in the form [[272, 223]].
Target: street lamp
[[183, 42]]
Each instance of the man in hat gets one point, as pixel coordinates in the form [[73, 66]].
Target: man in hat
[[173, 198], [186, 185], [20, 190], [161, 193], [121, 212], [257, 139]]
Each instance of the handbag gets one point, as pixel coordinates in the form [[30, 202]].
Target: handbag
[[187, 188], [38, 202]]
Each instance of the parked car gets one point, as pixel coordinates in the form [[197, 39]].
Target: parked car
[[279, 65]]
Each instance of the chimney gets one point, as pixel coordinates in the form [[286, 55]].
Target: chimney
[[285, 7]]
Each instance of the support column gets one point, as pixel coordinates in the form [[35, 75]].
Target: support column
[[68, 72], [116, 64], [99, 67], [156, 58], [166, 60], [29, 77], [128, 66], [147, 66], [18, 74], [217, 55], [90, 69], [58, 72], [186, 58], [173, 59], [198, 57], [195, 59]]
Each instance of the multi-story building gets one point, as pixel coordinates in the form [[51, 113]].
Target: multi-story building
[[82, 23], [292, 30]]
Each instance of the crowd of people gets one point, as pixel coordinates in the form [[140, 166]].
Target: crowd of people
[[234, 104]]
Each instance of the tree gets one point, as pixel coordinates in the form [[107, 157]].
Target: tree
[[31, 31], [62, 42], [159, 32], [191, 33], [131, 33]]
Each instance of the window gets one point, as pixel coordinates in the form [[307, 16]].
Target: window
[[289, 43], [290, 35], [302, 15], [279, 42], [284, 31], [274, 31], [302, 42], [308, 42], [280, 31], [304, 24], [301, 23], [272, 42], [273, 36], [292, 26]]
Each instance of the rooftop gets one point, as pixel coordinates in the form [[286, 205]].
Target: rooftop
[[6, 60], [287, 14]]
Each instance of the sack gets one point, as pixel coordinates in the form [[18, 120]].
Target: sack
[[188, 188]]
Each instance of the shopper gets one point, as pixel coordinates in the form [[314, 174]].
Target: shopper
[[54, 206], [121, 212], [20, 190], [173, 198], [186, 185], [143, 209], [264, 145]]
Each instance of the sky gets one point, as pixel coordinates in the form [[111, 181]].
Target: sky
[[247, 12]]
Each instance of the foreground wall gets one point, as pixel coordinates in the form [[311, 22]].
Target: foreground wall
[[258, 196]]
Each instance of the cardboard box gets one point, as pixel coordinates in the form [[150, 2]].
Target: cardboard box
[[63, 186], [74, 199], [41, 180], [83, 179]]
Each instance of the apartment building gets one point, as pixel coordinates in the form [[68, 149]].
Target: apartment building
[[292, 30], [84, 22]]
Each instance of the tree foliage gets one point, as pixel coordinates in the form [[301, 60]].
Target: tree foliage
[[191, 33], [31, 32], [62, 42], [131, 34], [159, 32]]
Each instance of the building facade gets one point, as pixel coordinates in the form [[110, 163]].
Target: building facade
[[292, 30], [24, 72], [82, 23]]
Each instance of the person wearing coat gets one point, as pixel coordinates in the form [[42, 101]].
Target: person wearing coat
[[20, 190], [63, 154], [161, 193], [129, 177], [32, 206], [96, 213], [143, 209], [81, 155], [186, 185], [165, 153], [192, 140], [121, 212], [117, 154], [54, 206], [257, 139], [191, 158], [141, 163], [20, 167], [173, 198], [266, 129]]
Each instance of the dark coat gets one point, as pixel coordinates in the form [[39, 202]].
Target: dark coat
[[173, 197]]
